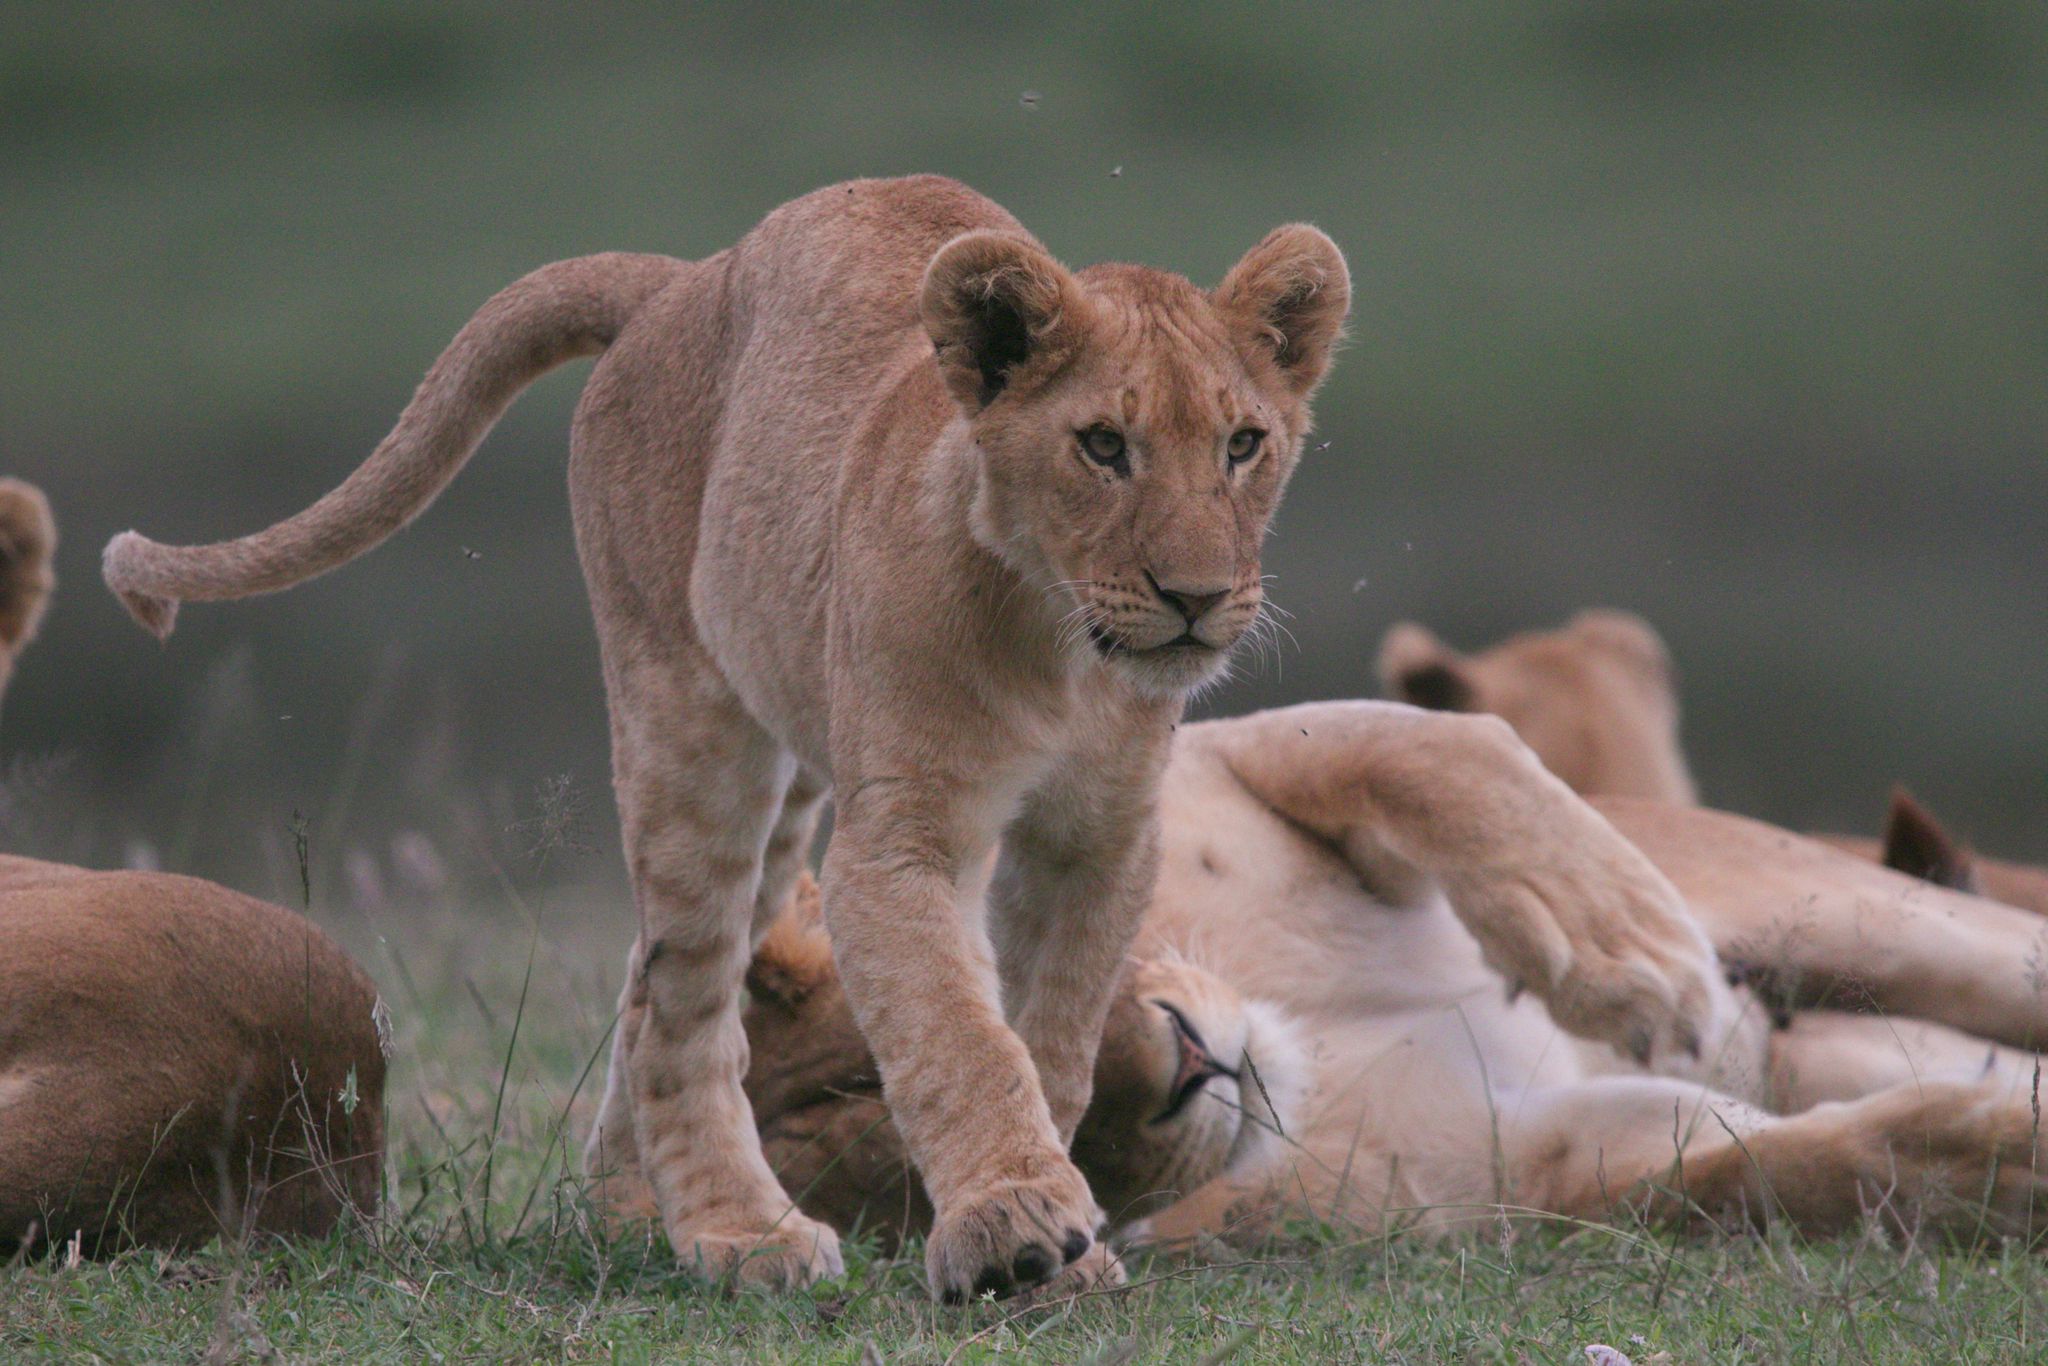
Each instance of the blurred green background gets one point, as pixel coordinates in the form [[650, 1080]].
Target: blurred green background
[[1732, 314]]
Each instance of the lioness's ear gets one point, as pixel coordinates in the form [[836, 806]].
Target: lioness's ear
[[1626, 634], [1918, 845], [795, 956], [28, 538], [1291, 293], [1419, 669], [997, 305]]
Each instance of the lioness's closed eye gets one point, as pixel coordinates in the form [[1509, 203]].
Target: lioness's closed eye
[[1021, 508]]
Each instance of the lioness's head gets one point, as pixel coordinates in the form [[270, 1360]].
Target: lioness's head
[[1191, 1080], [1132, 433], [1597, 700]]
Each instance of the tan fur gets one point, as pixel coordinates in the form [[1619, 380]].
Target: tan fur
[[826, 1130], [173, 1055], [1598, 701], [28, 543], [1916, 842], [1367, 875], [882, 500]]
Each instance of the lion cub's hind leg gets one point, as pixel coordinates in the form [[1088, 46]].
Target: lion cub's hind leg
[[611, 1155], [700, 786], [789, 853]]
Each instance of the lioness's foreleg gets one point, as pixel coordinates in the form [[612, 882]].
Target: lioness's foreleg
[[904, 881], [1558, 901], [699, 788], [1812, 926]]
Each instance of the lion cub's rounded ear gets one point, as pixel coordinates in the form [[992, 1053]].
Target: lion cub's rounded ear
[[795, 956], [1417, 668], [28, 539], [997, 306], [1292, 292]]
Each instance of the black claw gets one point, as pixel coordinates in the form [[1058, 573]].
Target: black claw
[[1031, 1266], [1076, 1244], [952, 1297], [992, 1280]]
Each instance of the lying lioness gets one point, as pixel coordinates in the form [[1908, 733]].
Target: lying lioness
[[176, 1060], [1597, 699], [1328, 1016], [884, 501]]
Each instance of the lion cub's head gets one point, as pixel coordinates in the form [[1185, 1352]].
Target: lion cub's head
[[1191, 1081], [1597, 700], [1132, 433]]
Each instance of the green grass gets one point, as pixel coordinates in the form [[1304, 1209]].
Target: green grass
[[521, 1274]]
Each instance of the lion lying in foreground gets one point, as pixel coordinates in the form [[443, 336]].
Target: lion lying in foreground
[[1328, 1016], [176, 1060], [1597, 699]]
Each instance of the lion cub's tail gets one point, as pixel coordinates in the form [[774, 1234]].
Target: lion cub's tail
[[569, 309]]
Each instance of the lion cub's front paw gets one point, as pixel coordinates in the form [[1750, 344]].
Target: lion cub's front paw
[[1013, 1236], [797, 1252], [1606, 942], [1096, 1269]]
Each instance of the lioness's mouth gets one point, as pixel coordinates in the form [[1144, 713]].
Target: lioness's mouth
[[1197, 1064]]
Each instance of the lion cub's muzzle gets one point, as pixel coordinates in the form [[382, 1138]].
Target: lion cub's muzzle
[[1172, 620]]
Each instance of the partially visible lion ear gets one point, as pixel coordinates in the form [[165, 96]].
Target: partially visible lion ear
[[996, 305], [1417, 668], [28, 539], [795, 956], [1291, 292], [1918, 845], [1625, 633]]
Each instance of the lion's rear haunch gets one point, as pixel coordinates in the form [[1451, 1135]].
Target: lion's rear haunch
[[560, 312], [178, 1062]]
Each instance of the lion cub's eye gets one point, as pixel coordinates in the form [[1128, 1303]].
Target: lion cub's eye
[[1105, 446], [1244, 444]]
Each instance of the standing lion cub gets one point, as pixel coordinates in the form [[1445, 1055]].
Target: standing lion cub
[[882, 501]]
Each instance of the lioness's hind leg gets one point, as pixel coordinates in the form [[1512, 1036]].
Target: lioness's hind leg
[[1826, 1055], [1942, 1156], [699, 786]]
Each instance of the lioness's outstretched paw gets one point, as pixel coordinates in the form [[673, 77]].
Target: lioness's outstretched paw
[[1012, 1236], [1607, 943], [795, 1253]]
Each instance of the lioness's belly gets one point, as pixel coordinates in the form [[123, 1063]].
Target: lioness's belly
[[1282, 918]]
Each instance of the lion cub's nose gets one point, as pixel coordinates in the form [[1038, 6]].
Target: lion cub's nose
[[1189, 601]]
